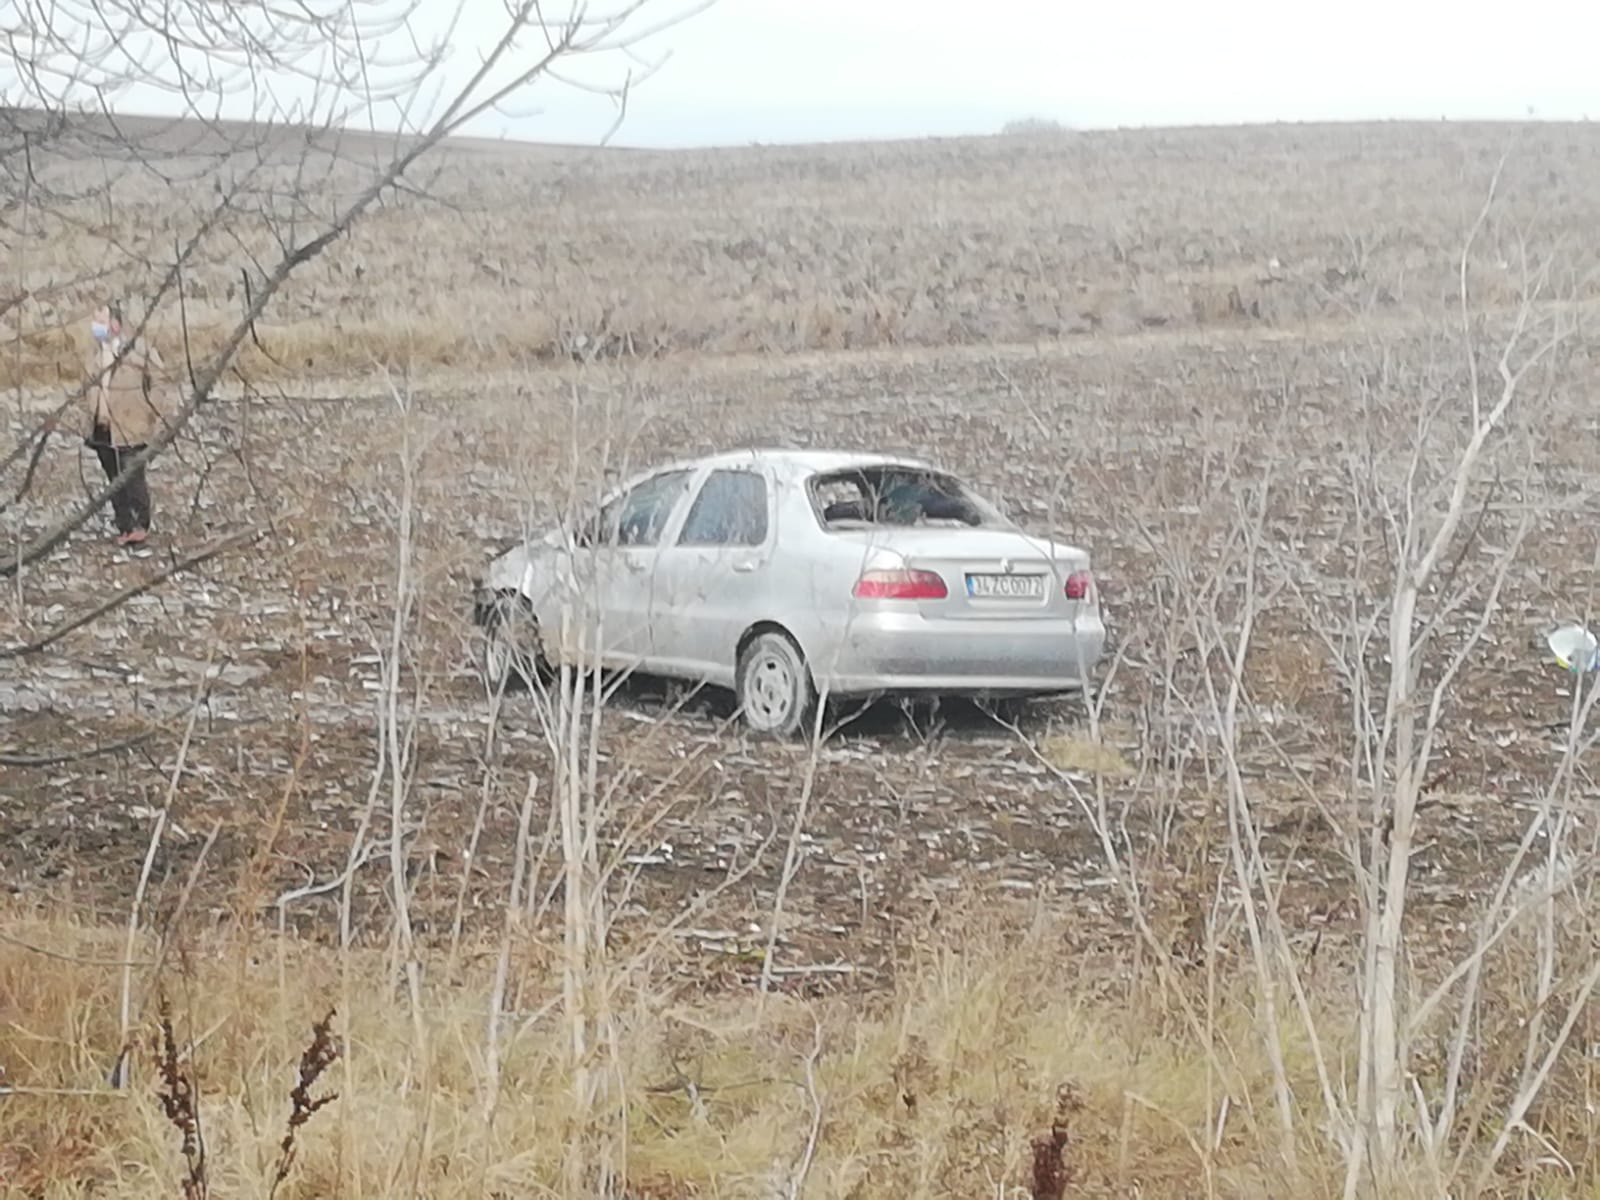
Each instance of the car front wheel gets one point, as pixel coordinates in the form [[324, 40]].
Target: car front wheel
[[776, 695], [511, 654]]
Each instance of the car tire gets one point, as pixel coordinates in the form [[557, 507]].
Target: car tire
[[776, 695], [511, 655], [1010, 710]]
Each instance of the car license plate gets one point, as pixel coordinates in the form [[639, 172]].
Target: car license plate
[[1005, 587]]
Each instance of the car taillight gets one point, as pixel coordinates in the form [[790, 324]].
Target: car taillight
[[901, 585], [1079, 584]]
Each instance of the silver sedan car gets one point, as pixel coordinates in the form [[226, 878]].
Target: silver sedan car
[[789, 575]]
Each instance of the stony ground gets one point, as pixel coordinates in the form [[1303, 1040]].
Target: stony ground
[[1138, 447]]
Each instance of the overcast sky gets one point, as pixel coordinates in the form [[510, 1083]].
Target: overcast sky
[[802, 70]]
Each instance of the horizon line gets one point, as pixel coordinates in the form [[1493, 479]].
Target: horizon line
[[1045, 127]]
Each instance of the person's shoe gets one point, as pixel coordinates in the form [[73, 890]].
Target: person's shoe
[[134, 537], [122, 539]]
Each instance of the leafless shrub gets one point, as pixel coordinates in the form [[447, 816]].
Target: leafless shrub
[[1033, 127]]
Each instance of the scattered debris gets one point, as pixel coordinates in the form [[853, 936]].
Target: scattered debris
[[1575, 648]]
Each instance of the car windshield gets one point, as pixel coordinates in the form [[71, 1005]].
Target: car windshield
[[898, 497]]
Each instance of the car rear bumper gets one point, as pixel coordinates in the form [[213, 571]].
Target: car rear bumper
[[902, 652]]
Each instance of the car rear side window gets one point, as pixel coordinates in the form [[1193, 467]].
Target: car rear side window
[[731, 510]]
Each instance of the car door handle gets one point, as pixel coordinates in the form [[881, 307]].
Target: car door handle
[[744, 565], [635, 565]]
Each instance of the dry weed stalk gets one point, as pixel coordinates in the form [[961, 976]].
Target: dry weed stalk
[[178, 1093], [1051, 1175], [318, 1056]]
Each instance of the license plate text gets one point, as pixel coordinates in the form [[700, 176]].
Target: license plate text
[[1005, 587]]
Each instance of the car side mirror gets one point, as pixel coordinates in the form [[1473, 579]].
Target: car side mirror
[[585, 530]]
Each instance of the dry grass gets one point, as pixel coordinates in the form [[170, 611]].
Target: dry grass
[[938, 1088], [994, 1050], [1067, 752]]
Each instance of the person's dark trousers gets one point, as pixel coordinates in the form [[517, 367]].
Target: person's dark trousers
[[130, 503]]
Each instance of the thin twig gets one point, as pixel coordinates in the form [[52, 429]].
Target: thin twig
[[797, 1182], [58, 956], [12, 758], [232, 541], [125, 1012]]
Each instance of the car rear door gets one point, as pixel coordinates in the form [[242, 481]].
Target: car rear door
[[715, 578]]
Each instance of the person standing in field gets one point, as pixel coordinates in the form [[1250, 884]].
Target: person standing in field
[[122, 403]]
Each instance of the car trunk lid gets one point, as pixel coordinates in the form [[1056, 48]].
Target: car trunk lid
[[989, 574]]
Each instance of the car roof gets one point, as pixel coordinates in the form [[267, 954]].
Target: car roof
[[798, 462]]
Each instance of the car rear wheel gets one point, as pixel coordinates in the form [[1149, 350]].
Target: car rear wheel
[[776, 695], [512, 657]]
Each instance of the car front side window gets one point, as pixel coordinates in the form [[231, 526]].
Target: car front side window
[[639, 517], [731, 510]]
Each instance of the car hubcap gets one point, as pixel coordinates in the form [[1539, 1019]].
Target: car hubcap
[[769, 694]]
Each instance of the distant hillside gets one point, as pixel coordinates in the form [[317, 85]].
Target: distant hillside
[[532, 252], [191, 135]]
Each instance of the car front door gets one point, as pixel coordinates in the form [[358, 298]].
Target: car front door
[[620, 544], [711, 581]]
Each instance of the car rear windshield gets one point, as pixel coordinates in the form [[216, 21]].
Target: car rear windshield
[[897, 497]]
